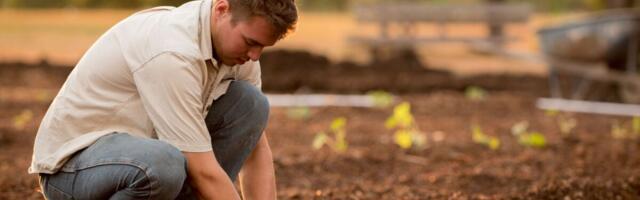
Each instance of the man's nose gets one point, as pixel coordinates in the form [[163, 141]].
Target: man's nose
[[254, 53]]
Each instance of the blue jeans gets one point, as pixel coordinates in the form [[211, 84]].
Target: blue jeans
[[120, 166]]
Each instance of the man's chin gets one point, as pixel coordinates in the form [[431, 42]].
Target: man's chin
[[227, 63], [233, 62]]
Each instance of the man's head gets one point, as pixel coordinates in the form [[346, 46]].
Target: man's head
[[242, 28]]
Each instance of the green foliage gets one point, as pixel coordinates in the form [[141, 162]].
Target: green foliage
[[44, 96], [338, 142], [520, 128], [595, 4], [407, 134], [324, 5], [532, 139], [551, 113], [565, 122], [629, 130], [635, 125], [475, 93], [34, 3], [320, 139], [21, 120], [381, 98], [299, 113], [526, 137], [401, 117], [478, 136], [618, 131]]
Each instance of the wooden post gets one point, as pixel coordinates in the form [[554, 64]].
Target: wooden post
[[496, 29]]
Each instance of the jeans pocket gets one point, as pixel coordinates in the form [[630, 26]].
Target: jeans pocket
[[53, 193]]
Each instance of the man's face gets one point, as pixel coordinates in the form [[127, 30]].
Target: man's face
[[239, 42]]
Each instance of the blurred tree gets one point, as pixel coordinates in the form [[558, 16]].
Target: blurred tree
[[34, 3], [324, 5], [620, 3]]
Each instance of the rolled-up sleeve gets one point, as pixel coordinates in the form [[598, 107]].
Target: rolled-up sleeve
[[170, 88]]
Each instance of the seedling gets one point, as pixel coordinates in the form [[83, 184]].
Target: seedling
[[479, 137], [338, 142], [299, 113], [527, 138], [551, 113], [475, 93], [43, 96], [381, 99], [635, 125], [22, 119], [620, 131], [565, 122], [407, 134]]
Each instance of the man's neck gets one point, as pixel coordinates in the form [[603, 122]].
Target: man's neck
[[213, 51]]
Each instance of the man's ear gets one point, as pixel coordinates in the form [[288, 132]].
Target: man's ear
[[221, 7]]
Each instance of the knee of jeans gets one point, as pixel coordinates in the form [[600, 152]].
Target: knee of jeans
[[166, 168], [252, 99]]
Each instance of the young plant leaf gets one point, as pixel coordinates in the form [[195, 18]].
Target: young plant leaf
[[635, 125], [401, 117], [533, 139], [519, 128], [403, 139], [338, 124], [494, 143], [551, 113], [617, 131], [567, 124], [319, 140], [341, 145], [299, 112], [418, 139], [381, 98], [479, 137], [22, 119], [475, 93]]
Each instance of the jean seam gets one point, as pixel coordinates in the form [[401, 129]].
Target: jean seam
[[128, 162], [58, 190]]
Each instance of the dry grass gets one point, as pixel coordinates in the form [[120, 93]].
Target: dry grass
[[61, 36]]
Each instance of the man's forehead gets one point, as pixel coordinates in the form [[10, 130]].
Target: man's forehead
[[259, 30]]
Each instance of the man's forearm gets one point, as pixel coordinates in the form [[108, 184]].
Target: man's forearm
[[208, 178], [257, 178]]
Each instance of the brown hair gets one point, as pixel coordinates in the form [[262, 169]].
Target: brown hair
[[282, 14]]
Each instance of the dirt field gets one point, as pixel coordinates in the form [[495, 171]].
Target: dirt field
[[588, 163]]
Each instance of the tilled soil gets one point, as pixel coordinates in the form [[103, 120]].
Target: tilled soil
[[587, 164]]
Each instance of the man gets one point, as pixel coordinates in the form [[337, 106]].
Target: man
[[166, 104]]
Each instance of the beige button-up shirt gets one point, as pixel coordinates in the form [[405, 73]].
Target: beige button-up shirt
[[152, 75]]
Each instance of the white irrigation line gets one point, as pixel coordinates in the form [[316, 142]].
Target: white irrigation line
[[319, 100], [589, 107]]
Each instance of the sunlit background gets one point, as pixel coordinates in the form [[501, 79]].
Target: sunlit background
[[387, 99]]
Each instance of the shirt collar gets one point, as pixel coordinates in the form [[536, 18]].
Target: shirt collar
[[205, 31]]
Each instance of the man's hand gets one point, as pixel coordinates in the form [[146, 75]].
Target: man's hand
[[208, 178], [257, 178]]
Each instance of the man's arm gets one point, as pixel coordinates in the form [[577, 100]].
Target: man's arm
[[208, 178], [257, 178]]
